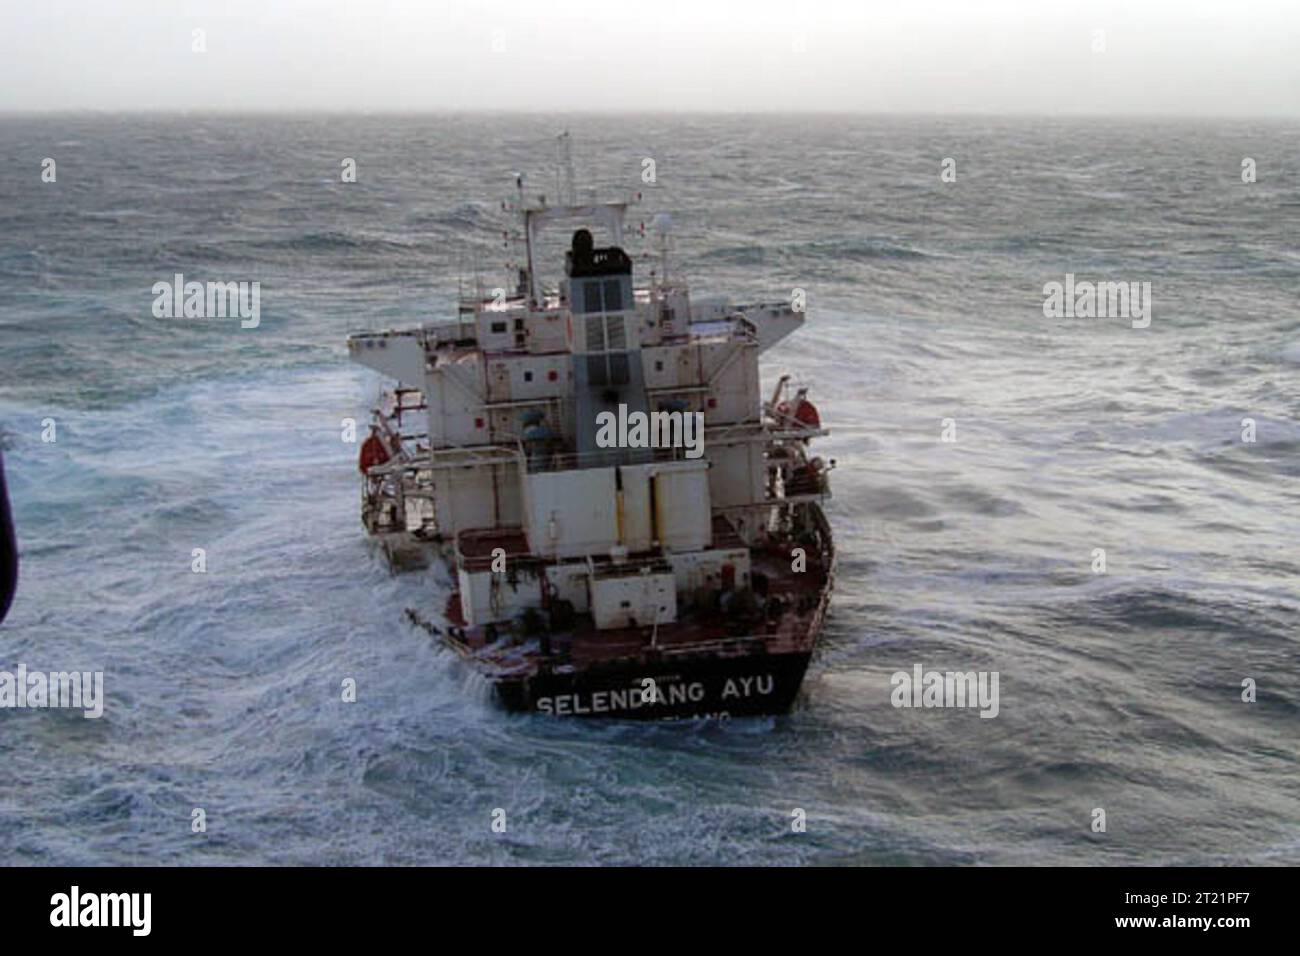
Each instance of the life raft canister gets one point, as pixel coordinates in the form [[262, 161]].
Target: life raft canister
[[373, 453]]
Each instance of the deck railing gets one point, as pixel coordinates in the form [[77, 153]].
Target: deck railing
[[544, 461]]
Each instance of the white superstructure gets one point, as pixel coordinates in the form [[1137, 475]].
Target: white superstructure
[[489, 446]]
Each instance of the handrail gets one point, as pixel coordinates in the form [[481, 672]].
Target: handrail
[[541, 462]]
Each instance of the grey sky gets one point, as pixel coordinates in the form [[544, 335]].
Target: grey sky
[[1190, 57]]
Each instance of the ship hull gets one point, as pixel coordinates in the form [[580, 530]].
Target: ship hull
[[707, 688], [675, 674]]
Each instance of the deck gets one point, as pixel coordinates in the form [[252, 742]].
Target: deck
[[788, 622]]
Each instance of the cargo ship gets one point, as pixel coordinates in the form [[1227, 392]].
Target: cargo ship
[[630, 527]]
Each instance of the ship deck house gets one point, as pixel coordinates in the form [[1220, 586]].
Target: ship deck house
[[507, 472]]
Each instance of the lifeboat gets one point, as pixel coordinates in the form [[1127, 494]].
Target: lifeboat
[[373, 453], [804, 412]]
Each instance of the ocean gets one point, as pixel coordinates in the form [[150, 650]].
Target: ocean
[[985, 453]]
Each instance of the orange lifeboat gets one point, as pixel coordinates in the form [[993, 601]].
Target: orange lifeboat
[[373, 453], [805, 412]]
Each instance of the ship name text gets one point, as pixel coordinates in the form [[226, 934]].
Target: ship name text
[[634, 698]]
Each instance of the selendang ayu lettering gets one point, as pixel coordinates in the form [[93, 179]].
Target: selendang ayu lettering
[[663, 693]]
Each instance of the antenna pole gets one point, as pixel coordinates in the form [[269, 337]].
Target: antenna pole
[[566, 164]]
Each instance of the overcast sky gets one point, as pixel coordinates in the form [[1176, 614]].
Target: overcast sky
[[1190, 57]]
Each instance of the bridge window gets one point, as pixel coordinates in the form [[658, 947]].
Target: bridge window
[[602, 295]]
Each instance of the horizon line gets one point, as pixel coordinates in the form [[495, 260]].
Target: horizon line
[[26, 112]]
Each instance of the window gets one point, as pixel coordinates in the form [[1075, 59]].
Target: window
[[610, 368], [595, 334], [613, 295], [607, 361], [602, 295], [528, 376], [498, 327], [615, 333], [606, 333], [618, 368]]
